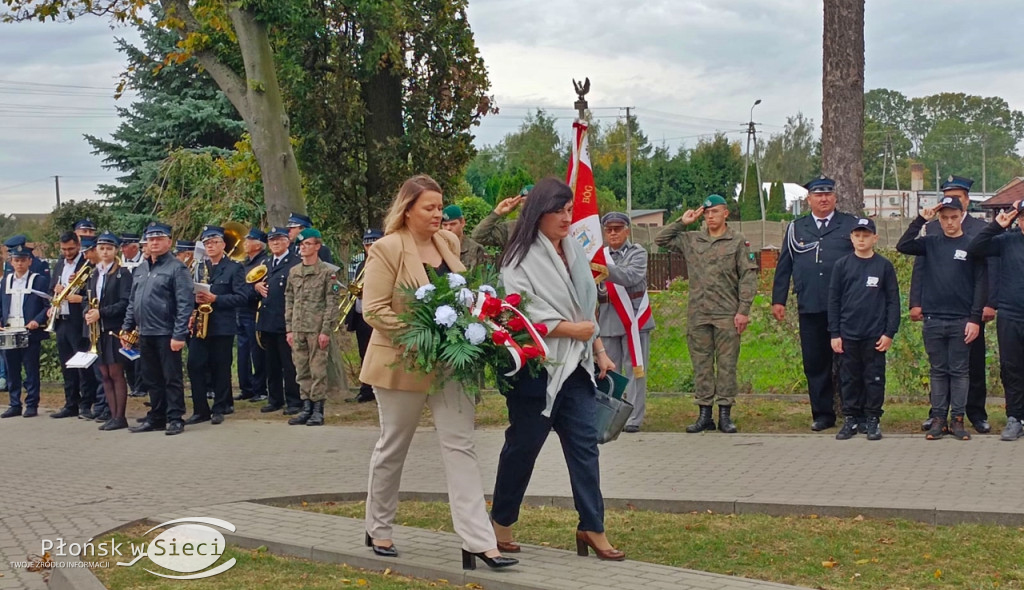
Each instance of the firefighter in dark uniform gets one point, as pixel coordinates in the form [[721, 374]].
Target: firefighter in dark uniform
[[252, 369], [354, 321], [160, 306], [37, 266], [131, 258], [22, 308], [213, 327], [298, 222], [282, 387], [812, 246]]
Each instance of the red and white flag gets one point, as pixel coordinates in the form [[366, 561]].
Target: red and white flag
[[586, 227]]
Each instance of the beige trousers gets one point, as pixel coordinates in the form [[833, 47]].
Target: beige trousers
[[454, 416]]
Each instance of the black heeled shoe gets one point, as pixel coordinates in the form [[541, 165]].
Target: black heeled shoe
[[389, 551], [469, 561]]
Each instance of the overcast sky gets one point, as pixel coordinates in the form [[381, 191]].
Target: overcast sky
[[689, 67]]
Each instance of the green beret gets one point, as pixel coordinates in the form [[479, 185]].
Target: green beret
[[713, 200], [308, 233], [451, 213]]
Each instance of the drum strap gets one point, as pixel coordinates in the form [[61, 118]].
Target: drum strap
[[21, 294]]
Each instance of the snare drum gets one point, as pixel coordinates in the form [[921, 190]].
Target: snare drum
[[11, 339]]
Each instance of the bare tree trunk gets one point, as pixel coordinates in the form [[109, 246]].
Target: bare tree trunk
[[257, 97], [382, 125], [842, 128]]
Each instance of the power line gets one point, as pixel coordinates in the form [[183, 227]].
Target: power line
[[14, 186], [19, 83]]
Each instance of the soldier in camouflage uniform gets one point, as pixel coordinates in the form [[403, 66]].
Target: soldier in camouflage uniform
[[723, 281], [494, 230], [629, 269], [310, 313], [471, 253]]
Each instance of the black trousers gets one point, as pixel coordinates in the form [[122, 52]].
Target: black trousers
[[862, 378], [363, 332], [133, 374], [282, 387], [209, 369], [79, 384], [816, 348], [1011, 364], [163, 370], [252, 364], [977, 390]]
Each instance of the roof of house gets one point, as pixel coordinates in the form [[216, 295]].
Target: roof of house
[[642, 212], [1007, 195]]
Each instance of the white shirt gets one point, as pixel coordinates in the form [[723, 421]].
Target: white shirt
[[101, 279], [827, 219], [65, 277], [18, 287]]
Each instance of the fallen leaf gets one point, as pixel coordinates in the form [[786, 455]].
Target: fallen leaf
[[886, 541], [927, 556], [361, 582], [862, 561], [812, 516], [858, 518], [304, 503], [829, 564], [938, 574], [387, 572]]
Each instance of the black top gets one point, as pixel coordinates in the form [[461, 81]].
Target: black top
[[117, 290], [271, 315], [953, 284], [808, 255], [971, 226], [162, 298], [252, 297], [864, 298], [440, 270], [227, 282], [1009, 247]]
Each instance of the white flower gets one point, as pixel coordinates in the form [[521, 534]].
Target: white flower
[[475, 333], [466, 297], [489, 290], [455, 280], [445, 316], [424, 292]]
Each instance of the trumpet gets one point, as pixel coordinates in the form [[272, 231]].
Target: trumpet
[[348, 300], [132, 338], [94, 328], [75, 285]]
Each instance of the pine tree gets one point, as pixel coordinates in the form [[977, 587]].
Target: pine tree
[[178, 106], [750, 201]]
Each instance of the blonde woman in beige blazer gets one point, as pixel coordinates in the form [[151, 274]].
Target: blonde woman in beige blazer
[[413, 240]]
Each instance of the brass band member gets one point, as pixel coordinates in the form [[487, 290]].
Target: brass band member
[[282, 387], [79, 384], [213, 328], [21, 308], [111, 285]]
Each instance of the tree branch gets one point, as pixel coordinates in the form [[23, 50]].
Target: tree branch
[[229, 82]]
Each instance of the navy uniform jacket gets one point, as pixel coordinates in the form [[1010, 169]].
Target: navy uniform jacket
[[272, 313], [33, 306], [808, 255], [354, 321], [76, 310], [227, 282], [117, 290], [971, 227], [252, 298]]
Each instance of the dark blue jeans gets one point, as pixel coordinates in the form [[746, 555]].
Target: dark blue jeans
[[572, 418], [949, 357]]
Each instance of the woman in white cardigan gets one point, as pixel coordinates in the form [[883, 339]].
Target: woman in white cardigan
[[548, 266]]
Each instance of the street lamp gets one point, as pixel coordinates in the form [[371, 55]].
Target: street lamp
[[752, 136]]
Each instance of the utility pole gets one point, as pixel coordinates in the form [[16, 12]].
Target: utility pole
[[629, 165], [984, 177], [752, 136], [56, 184]]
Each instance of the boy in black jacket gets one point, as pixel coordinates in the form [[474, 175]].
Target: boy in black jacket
[[952, 295], [863, 317]]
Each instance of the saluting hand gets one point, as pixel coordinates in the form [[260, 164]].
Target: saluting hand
[[691, 215], [508, 205], [883, 343], [1006, 217], [928, 213]]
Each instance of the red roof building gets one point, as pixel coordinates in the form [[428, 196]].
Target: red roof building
[[1005, 196]]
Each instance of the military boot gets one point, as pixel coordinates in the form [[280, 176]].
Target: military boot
[[704, 421], [303, 416], [725, 423], [317, 417]]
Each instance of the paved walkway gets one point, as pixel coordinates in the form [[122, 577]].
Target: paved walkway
[[64, 478]]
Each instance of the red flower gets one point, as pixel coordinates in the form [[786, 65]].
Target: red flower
[[513, 299], [542, 329], [491, 306], [517, 324], [499, 337], [531, 352]]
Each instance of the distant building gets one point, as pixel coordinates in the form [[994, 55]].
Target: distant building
[[1005, 196], [648, 217]]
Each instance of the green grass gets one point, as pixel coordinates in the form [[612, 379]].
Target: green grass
[[254, 569], [826, 553]]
